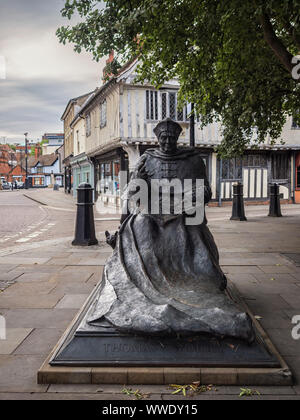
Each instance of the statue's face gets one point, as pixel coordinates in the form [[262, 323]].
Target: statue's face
[[167, 142]]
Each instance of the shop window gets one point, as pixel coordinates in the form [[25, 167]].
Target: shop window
[[38, 181], [103, 114], [108, 174], [280, 166], [116, 180]]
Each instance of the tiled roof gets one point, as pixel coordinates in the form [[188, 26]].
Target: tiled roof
[[46, 160]]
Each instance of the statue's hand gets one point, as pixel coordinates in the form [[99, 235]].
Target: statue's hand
[[111, 240]]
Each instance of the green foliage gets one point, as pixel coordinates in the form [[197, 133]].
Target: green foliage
[[111, 68], [137, 394], [192, 389], [219, 50], [247, 392]]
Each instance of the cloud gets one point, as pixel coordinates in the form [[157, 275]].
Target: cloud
[[41, 74]]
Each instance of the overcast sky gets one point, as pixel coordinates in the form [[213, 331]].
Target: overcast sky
[[41, 74]]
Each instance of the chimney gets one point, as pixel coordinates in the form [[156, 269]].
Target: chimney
[[37, 151]]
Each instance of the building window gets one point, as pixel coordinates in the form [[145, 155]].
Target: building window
[[38, 181], [295, 125], [280, 166], [151, 105], [232, 169], [169, 107], [109, 182], [88, 124], [78, 142], [255, 160], [103, 114], [39, 170]]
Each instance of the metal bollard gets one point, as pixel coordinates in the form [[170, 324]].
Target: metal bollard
[[275, 210], [85, 226], [238, 211]]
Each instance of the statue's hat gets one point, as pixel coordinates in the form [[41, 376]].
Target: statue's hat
[[169, 126]]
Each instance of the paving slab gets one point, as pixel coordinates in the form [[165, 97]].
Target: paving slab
[[39, 268], [39, 341], [242, 278], [18, 374], [29, 289], [293, 299], [77, 288], [241, 269], [23, 302], [72, 301], [71, 276], [22, 260], [277, 269], [5, 268], [14, 338], [285, 343], [94, 261], [265, 303], [63, 261], [272, 287], [10, 276], [38, 318], [36, 277], [284, 278]]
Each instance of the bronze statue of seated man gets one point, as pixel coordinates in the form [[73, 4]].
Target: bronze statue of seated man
[[164, 276]]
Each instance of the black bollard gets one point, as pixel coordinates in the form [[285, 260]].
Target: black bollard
[[238, 212], [85, 226], [275, 210]]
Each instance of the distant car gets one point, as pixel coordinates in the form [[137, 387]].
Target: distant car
[[20, 185], [6, 185]]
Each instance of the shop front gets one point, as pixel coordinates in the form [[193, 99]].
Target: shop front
[[82, 171], [108, 182]]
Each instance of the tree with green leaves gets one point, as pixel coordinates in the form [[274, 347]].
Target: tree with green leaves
[[235, 60]]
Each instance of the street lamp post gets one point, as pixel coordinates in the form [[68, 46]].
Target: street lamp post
[[26, 160]]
